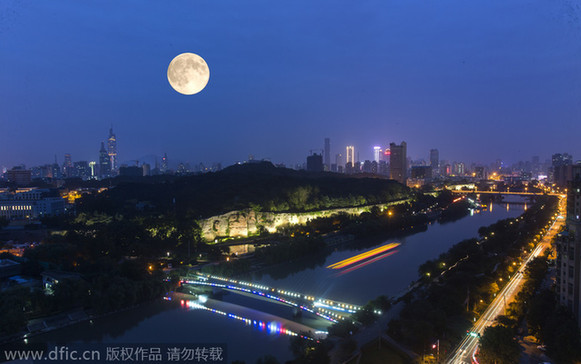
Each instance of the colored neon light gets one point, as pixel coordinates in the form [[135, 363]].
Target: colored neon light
[[272, 327]]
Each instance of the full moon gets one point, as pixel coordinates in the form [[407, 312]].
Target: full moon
[[188, 73]]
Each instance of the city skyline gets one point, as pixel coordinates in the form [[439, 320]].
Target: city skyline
[[107, 158], [448, 80]]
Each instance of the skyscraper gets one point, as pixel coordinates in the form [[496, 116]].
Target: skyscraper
[[559, 168], [68, 166], [315, 163], [376, 154], [82, 170], [164, 166], [327, 154], [93, 167], [398, 162], [112, 151], [350, 155], [435, 161], [104, 162]]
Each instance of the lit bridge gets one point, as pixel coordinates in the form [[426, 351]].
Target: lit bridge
[[328, 309]]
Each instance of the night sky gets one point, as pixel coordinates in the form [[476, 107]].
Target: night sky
[[479, 80]]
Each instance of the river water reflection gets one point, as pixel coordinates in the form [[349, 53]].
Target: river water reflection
[[171, 322]]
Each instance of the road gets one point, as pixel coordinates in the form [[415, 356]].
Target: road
[[465, 353]]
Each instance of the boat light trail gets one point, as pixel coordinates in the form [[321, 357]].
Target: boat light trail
[[362, 256], [361, 265]]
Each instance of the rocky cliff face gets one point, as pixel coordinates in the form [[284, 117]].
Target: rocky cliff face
[[247, 222]]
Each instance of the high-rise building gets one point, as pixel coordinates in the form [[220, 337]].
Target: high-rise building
[[164, 164], [421, 172], [19, 176], [146, 168], [104, 163], [93, 167], [398, 162], [82, 169], [377, 154], [339, 159], [327, 154], [569, 249], [564, 173], [315, 163], [55, 171], [350, 155], [112, 151], [562, 159], [435, 161], [459, 169], [68, 170], [559, 168], [366, 167], [382, 168]]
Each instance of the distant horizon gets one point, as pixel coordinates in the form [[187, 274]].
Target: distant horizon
[[478, 81], [174, 162]]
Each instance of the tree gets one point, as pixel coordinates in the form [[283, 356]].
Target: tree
[[309, 352], [267, 359], [499, 346]]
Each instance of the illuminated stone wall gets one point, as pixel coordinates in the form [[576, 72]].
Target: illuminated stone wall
[[247, 222]]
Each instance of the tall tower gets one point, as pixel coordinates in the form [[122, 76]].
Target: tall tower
[[434, 161], [376, 154], [164, 167], [112, 150], [327, 154], [351, 155], [398, 162], [68, 166], [104, 162]]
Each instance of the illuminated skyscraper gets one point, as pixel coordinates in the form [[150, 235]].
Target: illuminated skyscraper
[[112, 150], [350, 155], [93, 167], [398, 162], [377, 154]]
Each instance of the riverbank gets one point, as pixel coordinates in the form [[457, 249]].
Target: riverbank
[[437, 309]]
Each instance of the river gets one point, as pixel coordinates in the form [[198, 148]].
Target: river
[[174, 322]]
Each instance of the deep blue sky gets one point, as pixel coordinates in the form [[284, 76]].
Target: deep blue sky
[[479, 80]]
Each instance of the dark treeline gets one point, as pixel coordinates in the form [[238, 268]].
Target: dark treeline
[[459, 284]]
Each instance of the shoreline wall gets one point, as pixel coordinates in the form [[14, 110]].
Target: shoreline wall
[[244, 223]]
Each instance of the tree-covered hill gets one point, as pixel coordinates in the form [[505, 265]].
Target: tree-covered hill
[[260, 186]]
